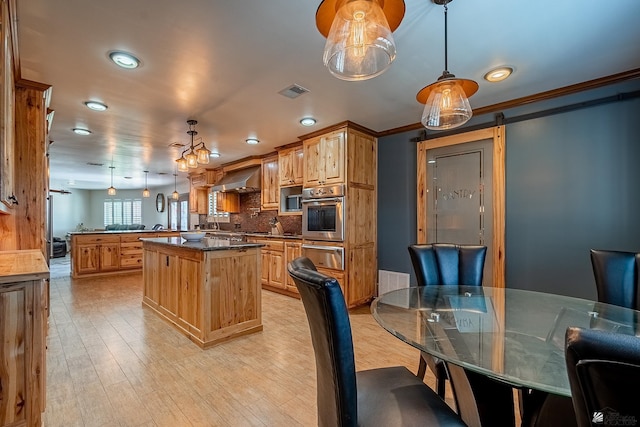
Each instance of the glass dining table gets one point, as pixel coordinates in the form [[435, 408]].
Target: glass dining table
[[515, 337]]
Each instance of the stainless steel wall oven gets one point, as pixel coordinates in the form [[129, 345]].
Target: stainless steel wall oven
[[323, 213]]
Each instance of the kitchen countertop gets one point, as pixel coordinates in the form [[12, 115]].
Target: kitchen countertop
[[121, 231], [206, 244], [253, 234]]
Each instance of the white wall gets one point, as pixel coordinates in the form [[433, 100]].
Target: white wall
[[86, 206], [69, 210]]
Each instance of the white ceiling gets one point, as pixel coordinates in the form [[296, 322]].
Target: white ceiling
[[223, 63]]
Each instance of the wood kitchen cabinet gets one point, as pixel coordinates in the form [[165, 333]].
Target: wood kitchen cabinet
[[95, 254], [273, 262], [346, 153], [293, 250], [290, 166], [23, 321], [324, 159], [104, 253], [227, 202], [270, 192]]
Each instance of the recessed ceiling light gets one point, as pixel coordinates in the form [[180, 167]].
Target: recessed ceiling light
[[252, 141], [214, 154], [96, 105], [308, 121], [498, 74], [124, 59], [81, 131]]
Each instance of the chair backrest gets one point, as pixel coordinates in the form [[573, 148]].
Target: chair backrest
[[616, 275], [332, 343], [448, 264], [604, 372]]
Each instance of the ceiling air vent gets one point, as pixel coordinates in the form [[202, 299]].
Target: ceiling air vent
[[176, 144], [293, 91], [95, 164]]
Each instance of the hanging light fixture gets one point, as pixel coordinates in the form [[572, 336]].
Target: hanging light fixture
[[447, 100], [359, 44], [197, 154], [146, 192], [111, 191], [175, 195]]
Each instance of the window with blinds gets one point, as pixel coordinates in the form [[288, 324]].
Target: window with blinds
[[122, 211], [214, 215]]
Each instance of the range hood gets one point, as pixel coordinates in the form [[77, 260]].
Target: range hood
[[240, 181]]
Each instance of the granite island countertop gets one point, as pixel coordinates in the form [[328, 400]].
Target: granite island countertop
[[206, 244]]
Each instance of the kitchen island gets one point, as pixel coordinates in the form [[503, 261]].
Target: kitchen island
[[208, 290], [100, 253]]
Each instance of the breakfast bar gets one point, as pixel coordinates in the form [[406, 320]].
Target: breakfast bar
[[208, 290]]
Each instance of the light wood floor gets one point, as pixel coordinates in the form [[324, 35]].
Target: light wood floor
[[111, 362]]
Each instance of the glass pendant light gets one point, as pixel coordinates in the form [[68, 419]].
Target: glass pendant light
[[175, 195], [111, 191], [146, 192], [203, 155], [192, 159], [359, 43], [182, 164], [447, 100]]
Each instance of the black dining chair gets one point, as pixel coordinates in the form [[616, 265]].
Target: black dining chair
[[616, 275], [604, 371], [377, 397], [445, 264]]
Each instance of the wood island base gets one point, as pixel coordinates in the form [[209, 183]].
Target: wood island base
[[210, 296]]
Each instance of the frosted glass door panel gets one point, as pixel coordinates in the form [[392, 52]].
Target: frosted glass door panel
[[459, 200]]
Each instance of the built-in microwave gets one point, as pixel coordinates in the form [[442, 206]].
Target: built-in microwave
[[293, 203], [323, 213]]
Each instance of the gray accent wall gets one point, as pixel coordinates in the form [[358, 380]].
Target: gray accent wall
[[571, 184]]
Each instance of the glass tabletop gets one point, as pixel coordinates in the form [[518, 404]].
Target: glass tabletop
[[513, 335]]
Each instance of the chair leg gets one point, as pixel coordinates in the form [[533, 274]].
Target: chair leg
[[440, 380], [422, 368], [438, 371]]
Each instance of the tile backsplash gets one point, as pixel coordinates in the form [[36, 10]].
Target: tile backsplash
[[248, 221]]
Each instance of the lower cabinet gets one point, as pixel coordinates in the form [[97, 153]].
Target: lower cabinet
[[23, 321], [276, 254], [293, 250], [210, 296], [109, 253], [94, 254]]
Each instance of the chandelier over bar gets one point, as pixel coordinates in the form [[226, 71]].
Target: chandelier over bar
[[359, 44], [447, 100], [197, 154]]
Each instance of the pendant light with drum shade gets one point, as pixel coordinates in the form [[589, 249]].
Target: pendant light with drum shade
[[146, 192], [111, 191], [359, 36], [447, 100]]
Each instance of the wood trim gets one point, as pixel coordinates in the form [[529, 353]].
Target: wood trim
[[13, 28], [338, 126], [498, 244], [542, 96], [30, 84], [295, 144]]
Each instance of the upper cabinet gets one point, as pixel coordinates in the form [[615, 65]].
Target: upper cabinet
[[291, 167], [199, 191], [270, 194], [7, 95], [324, 159]]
